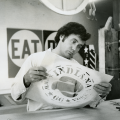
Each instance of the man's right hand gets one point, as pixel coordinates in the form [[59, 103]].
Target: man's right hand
[[35, 74]]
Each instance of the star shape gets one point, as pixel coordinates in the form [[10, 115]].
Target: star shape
[[86, 61], [86, 49]]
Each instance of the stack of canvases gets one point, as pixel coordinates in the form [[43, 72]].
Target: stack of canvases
[[89, 56]]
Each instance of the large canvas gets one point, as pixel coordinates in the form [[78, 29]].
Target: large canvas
[[23, 42], [68, 84]]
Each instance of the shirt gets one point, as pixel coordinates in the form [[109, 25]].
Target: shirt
[[18, 88]]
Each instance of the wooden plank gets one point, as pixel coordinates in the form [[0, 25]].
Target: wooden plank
[[101, 44], [108, 56], [111, 53], [116, 13], [112, 56], [101, 50], [112, 62]]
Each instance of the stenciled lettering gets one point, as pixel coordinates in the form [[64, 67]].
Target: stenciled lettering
[[26, 49], [59, 71], [13, 41], [88, 80], [35, 44], [76, 72], [88, 85], [69, 70]]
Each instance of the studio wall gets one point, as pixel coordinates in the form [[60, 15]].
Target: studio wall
[[32, 15]]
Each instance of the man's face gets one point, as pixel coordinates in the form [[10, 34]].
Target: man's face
[[71, 45]]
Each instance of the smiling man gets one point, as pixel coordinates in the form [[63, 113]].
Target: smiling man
[[69, 39]]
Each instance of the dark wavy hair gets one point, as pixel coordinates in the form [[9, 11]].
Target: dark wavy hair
[[72, 28]]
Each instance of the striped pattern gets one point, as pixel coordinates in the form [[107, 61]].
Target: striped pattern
[[92, 57], [89, 57]]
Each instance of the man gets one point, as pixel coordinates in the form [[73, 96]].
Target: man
[[69, 39]]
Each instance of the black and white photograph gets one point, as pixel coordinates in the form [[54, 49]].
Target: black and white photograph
[[60, 60]]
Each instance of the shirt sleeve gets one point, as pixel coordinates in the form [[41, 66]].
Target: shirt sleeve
[[18, 89]]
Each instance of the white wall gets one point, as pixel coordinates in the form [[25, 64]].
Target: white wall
[[31, 14]]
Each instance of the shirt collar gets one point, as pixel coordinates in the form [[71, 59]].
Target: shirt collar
[[50, 50]]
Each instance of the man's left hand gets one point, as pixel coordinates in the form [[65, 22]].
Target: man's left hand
[[102, 88]]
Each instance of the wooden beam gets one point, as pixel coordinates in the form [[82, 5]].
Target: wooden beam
[[116, 14], [111, 53], [101, 44]]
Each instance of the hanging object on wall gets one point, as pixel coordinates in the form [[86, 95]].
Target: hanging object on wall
[[89, 56], [92, 11], [65, 7], [48, 38], [23, 42]]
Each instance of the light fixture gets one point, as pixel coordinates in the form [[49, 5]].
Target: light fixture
[[79, 6], [93, 0]]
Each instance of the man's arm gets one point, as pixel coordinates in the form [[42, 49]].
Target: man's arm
[[103, 90], [18, 89], [27, 74], [20, 96]]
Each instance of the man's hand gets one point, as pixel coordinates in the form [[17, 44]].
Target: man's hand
[[103, 88], [35, 74]]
